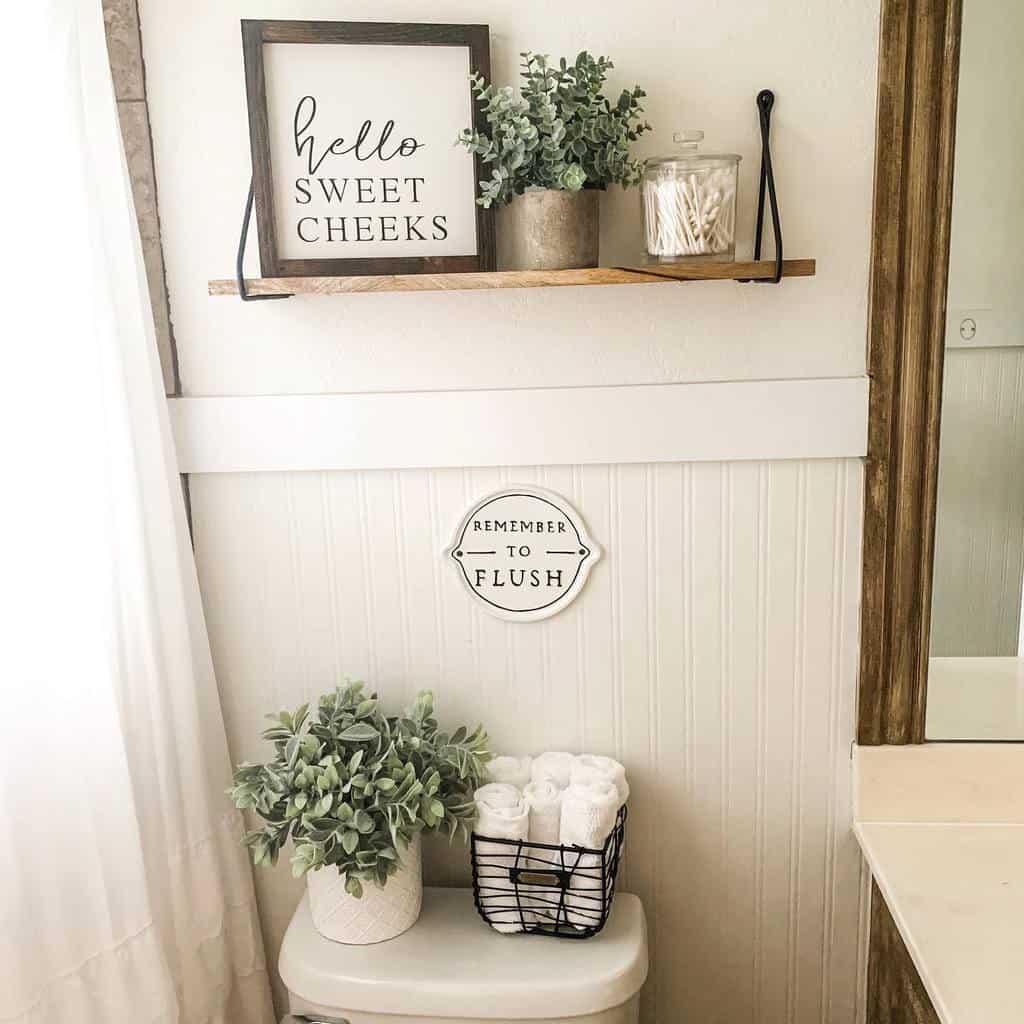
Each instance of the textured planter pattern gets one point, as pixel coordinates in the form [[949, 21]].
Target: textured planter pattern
[[550, 229], [381, 913]]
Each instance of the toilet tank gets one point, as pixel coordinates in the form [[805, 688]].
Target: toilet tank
[[451, 968]]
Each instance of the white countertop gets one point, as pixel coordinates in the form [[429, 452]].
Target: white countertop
[[956, 893], [942, 828]]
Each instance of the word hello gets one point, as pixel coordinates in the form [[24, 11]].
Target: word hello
[[369, 144], [361, 149]]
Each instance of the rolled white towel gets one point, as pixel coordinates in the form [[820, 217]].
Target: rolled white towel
[[589, 810], [555, 765], [501, 814], [589, 767], [515, 771], [544, 802]]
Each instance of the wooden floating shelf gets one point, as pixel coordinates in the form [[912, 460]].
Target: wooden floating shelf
[[707, 270]]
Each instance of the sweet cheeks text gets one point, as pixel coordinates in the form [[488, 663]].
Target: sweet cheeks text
[[356, 192]]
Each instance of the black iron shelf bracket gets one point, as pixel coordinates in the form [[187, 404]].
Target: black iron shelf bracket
[[243, 294], [765, 102]]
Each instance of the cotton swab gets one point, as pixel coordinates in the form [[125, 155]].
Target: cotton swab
[[690, 216]]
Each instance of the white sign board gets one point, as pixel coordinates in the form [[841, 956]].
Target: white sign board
[[396, 185], [523, 552], [353, 129]]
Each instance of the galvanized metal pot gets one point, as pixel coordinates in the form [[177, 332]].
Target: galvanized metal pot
[[550, 229]]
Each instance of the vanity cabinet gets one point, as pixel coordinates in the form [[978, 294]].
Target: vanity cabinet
[[896, 994]]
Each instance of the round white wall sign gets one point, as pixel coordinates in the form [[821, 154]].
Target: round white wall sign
[[523, 552]]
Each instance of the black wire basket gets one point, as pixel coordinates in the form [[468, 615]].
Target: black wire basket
[[544, 888]]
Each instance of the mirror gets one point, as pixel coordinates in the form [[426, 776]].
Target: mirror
[[976, 663]]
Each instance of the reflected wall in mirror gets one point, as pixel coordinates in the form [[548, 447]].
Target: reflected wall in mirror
[[976, 678]]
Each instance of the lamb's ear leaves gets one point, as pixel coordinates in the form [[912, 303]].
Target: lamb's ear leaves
[[300, 716], [365, 707], [358, 732]]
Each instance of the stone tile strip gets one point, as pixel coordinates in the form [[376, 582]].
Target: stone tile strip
[[124, 45]]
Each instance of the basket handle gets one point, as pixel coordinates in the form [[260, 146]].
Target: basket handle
[[530, 876]]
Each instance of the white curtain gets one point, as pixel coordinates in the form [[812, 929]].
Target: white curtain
[[124, 895]]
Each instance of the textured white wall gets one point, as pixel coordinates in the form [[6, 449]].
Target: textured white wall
[[979, 542], [979, 529], [702, 65], [715, 647], [986, 260]]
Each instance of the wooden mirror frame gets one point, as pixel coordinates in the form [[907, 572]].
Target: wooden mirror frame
[[918, 68]]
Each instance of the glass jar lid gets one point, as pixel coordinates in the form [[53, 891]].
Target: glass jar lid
[[688, 152]]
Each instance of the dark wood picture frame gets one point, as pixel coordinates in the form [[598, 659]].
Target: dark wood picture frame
[[917, 90], [255, 34]]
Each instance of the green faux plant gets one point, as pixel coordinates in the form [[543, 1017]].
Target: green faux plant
[[351, 787], [560, 132]]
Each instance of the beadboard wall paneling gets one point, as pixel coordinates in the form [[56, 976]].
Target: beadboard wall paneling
[[714, 651], [979, 527]]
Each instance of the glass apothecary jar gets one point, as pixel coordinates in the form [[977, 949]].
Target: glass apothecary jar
[[689, 201]]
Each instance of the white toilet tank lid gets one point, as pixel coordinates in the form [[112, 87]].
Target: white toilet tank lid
[[452, 964]]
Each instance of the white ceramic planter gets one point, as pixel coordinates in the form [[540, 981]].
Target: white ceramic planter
[[380, 914]]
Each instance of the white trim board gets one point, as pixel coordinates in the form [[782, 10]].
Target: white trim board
[[706, 422], [985, 328]]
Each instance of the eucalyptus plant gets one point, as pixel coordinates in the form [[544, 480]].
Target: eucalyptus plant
[[559, 132], [351, 787]]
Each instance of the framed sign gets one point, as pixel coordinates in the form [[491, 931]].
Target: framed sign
[[523, 552], [352, 127]]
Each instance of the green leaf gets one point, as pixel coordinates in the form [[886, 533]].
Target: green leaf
[[353, 887], [408, 775], [358, 733]]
